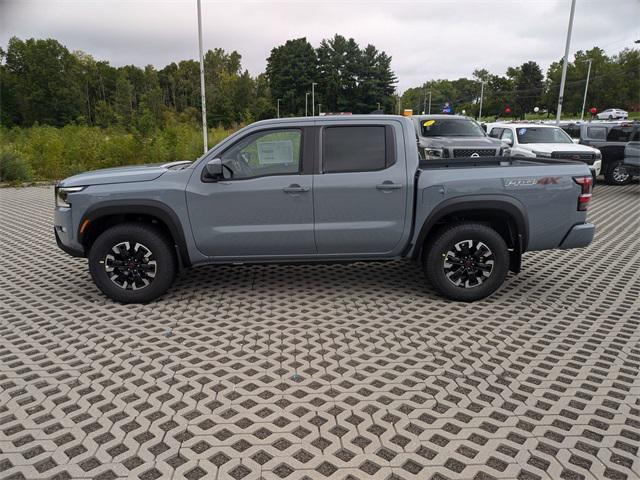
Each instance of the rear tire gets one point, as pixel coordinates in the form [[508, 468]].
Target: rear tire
[[132, 263], [466, 261], [615, 173]]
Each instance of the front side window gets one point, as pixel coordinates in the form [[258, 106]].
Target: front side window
[[507, 134], [495, 132], [451, 128], [542, 135], [354, 149], [597, 133], [272, 152]]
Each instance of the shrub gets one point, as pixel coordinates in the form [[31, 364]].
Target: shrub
[[13, 169]]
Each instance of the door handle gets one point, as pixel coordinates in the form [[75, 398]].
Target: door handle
[[295, 188], [389, 186]]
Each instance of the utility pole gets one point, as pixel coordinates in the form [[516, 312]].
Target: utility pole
[[313, 99], [278, 107], [481, 95], [306, 101], [202, 95], [565, 61], [586, 87], [424, 102]]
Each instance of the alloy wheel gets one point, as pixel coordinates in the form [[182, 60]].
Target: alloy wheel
[[468, 264], [131, 266]]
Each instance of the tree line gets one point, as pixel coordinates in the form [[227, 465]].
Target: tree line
[[41, 81], [614, 83]]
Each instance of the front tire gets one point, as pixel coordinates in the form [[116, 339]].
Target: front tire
[[615, 173], [466, 261], [132, 263]]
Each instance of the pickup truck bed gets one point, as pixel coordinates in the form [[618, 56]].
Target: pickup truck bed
[[322, 190]]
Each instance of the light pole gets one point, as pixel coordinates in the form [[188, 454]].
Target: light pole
[[306, 101], [429, 111], [481, 95], [278, 107], [313, 99], [564, 62], [586, 87], [319, 109], [378, 105], [202, 95]]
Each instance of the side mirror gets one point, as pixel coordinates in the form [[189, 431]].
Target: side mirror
[[508, 141], [213, 168]]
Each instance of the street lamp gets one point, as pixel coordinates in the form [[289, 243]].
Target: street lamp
[[306, 101], [313, 99], [565, 61], [424, 104], [202, 95], [586, 87], [278, 107], [481, 96]]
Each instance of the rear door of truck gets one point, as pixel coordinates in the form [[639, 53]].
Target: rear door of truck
[[361, 188]]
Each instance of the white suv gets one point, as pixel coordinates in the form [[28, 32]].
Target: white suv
[[612, 114], [536, 140]]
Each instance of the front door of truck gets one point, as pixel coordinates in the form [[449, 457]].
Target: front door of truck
[[361, 190], [262, 206]]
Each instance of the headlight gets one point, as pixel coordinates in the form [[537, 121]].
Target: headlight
[[541, 154], [63, 192], [598, 155], [431, 153]]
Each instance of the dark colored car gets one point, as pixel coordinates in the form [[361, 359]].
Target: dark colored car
[[611, 138], [632, 157], [453, 136]]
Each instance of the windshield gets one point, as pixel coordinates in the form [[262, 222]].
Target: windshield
[[451, 128], [542, 135]]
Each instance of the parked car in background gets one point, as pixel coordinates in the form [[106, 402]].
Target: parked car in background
[[321, 189], [611, 138], [452, 136], [536, 140], [612, 114]]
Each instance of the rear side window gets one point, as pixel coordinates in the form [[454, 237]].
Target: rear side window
[[356, 148], [597, 133]]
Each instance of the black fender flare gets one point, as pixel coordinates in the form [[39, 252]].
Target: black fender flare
[[152, 208], [470, 203]]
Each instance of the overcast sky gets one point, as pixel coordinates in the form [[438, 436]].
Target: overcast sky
[[427, 38]]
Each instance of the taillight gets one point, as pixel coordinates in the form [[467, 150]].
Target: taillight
[[585, 195]]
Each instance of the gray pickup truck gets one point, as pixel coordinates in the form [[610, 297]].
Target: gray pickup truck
[[331, 189]]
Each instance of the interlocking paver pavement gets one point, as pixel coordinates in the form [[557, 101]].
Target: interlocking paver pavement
[[342, 371]]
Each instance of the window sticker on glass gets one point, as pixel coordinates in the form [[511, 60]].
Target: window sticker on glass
[[275, 152], [522, 131], [428, 123]]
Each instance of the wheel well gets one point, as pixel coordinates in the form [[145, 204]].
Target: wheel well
[[99, 225], [502, 222]]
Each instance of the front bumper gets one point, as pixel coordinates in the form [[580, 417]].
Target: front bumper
[[596, 167], [579, 236], [64, 230], [70, 250]]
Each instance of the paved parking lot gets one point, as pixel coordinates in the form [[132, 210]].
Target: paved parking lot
[[294, 372]]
